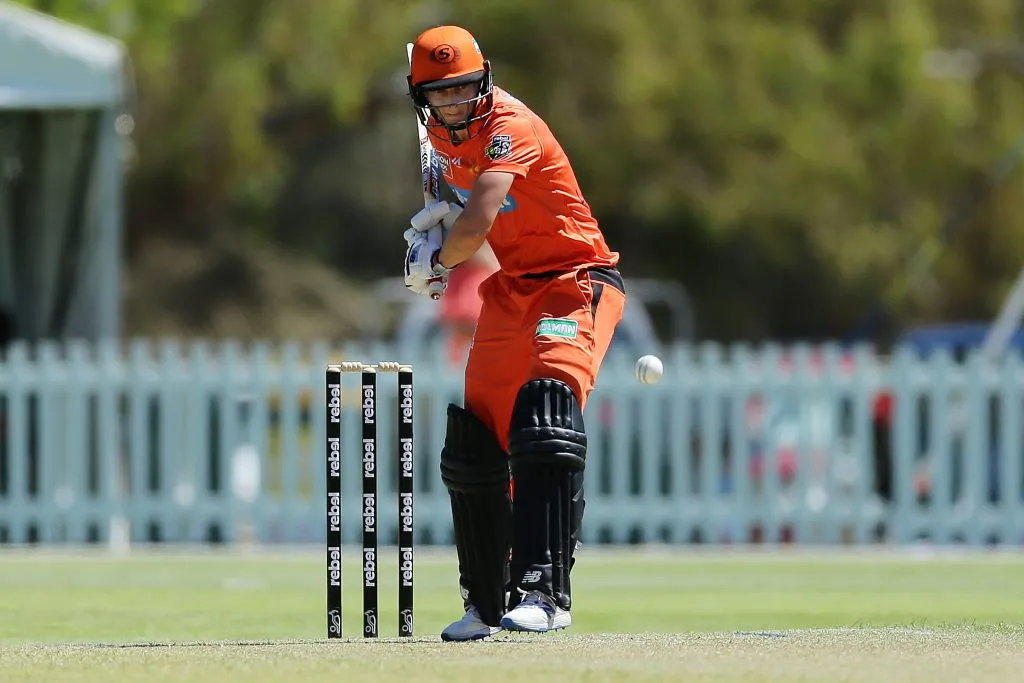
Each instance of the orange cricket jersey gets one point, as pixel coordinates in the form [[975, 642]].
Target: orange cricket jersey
[[545, 224]]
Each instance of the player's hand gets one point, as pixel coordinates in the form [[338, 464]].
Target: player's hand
[[444, 213], [421, 267]]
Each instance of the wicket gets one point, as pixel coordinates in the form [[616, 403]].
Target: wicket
[[333, 451]]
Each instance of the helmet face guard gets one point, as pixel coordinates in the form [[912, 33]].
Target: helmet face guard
[[480, 109]]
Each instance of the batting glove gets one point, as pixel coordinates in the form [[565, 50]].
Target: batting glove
[[442, 212], [421, 266]]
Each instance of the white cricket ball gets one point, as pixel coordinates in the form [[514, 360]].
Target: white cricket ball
[[649, 369]]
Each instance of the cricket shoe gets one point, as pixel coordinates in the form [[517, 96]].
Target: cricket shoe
[[537, 613], [469, 627]]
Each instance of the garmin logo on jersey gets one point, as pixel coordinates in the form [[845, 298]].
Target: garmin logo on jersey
[[507, 204], [557, 327]]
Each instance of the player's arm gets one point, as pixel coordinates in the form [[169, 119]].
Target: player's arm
[[470, 230]]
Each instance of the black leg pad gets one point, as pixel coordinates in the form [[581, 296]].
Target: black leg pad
[[474, 468], [547, 455]]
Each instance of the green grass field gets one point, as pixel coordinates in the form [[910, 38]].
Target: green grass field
[[748, 616]]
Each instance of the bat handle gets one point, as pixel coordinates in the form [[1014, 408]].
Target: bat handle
[[436, 289]]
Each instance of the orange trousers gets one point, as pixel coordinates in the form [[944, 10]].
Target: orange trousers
[[556, 327]]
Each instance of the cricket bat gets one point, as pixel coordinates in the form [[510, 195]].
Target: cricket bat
[[430, 175]]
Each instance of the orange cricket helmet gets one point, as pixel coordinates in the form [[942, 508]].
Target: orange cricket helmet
[[447, 57]]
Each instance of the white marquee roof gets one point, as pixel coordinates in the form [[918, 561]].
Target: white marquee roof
[[48, 63]]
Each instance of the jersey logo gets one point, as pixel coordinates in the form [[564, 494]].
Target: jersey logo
[[499, 146], [557, 327], [444, 162], [507, 204]]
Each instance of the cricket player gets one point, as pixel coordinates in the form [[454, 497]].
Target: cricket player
[[546, 321]]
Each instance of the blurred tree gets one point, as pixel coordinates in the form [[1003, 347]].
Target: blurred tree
[[784, 160]]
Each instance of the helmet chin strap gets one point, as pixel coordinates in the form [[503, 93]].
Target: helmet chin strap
[[451, 129], [454, 128], [453, 133]]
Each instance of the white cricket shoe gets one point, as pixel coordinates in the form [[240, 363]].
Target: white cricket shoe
[[537, 613], [469, 627]]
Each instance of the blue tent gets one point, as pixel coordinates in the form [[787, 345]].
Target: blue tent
[[958, 338]]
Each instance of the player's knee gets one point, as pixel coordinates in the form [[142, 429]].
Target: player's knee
[[547, 426], [472, 459]]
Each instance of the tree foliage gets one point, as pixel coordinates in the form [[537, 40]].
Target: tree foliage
[[784, 160]]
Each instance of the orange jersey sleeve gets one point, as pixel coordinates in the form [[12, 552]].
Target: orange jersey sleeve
[[510, 144], [545, 224]]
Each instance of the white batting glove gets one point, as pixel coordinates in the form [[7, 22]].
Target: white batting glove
[[442, 212], [420, 270]]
